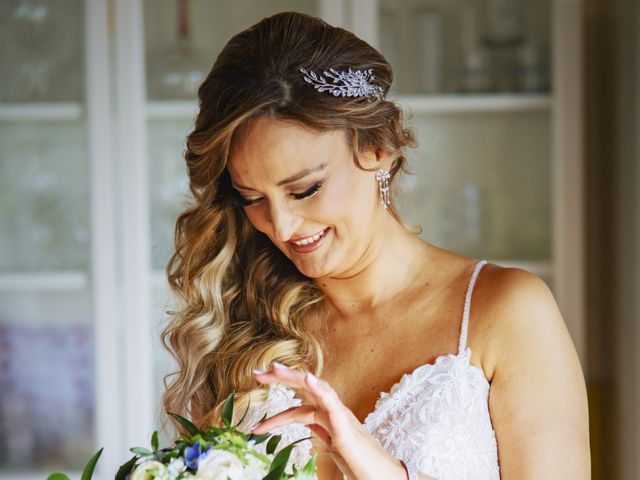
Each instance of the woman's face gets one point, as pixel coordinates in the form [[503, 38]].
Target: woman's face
[[304, 191]]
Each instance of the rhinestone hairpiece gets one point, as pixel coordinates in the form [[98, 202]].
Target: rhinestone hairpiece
[[346, 83]]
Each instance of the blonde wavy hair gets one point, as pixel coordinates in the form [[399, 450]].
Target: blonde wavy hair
[[241, 302]]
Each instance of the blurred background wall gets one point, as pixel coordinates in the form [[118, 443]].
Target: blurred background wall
[[527, 115]]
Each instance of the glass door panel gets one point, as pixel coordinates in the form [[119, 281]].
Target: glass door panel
[[44, 176], [46, 379], [46, 332], [474, 79], [169, 184], [466, 46], [43, 42], [183, 38], [481, 184]]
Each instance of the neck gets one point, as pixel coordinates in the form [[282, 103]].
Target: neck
[[389, 265]]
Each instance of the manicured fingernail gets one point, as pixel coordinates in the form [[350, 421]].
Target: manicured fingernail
[[259, 372], [312, 378], [280, 365]]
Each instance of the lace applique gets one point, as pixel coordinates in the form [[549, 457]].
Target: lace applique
[[438, 417]]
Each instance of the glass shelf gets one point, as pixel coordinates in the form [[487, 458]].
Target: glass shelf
[[171, 109], [442, 103], [474, 103], [35, 474], [50, 281], [41, 111]]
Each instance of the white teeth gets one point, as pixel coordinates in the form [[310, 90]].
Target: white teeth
[[310, 240]]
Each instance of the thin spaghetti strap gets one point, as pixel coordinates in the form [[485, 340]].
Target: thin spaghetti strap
[[462, 344]]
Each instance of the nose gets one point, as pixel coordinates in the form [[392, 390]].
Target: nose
[[284, 221]]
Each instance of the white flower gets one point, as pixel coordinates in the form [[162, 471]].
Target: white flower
[[257, 469], [220, 465], [149, 470], [176, 467]]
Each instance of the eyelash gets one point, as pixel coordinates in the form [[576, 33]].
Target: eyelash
[[243, 202]]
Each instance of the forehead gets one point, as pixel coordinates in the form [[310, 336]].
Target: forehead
[[269, 150]]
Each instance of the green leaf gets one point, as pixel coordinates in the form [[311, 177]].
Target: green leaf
[[87, 473], [126, 468], [143, 452], [170, 454], [279, 464], [299, 440], [308, 472], [262, 457], [273, 443], [258, 438], [154, 441], [227, 410], [188, 426], [58, 476], [213, 433]]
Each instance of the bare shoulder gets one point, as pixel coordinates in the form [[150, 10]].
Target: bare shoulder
[[512, 306], [538, 400]]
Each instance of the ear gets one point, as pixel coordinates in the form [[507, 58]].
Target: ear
[[375, 158], [385, 158]]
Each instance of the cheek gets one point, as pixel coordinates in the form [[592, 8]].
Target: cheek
[[347, 205], [257, 217], [354, 196]]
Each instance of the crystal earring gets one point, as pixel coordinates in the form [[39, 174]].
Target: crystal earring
[[383, 176]]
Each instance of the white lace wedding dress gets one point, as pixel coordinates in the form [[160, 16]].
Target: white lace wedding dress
[[436, 417]]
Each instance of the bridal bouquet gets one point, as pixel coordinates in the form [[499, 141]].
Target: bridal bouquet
[[221, 453]]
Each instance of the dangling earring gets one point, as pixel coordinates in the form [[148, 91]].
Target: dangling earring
[[383, 176]]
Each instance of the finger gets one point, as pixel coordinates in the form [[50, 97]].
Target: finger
[[305, 414], [287, 376], [320, 432], [279, 373], [311, 392], [325, 395]]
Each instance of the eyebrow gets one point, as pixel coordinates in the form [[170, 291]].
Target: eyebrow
[[291, 179]]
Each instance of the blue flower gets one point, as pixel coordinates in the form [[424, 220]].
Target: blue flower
[[194, 454]]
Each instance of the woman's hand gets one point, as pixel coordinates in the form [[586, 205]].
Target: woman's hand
[[352, 448]]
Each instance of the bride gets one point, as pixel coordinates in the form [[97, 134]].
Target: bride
[[305, 293]]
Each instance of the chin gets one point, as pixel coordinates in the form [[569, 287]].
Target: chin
[[311, 272]]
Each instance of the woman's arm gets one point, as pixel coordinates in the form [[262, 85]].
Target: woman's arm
[[538, 399]]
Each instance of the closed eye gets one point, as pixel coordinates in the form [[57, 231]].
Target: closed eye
[[240, 201], [309, 193]]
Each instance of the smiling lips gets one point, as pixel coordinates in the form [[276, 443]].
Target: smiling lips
[[308, 243]]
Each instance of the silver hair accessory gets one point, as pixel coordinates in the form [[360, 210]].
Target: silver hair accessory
[[383, 176], [348, 83]]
